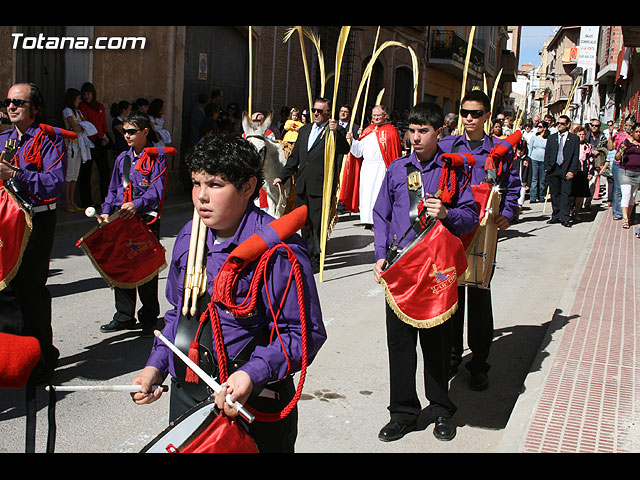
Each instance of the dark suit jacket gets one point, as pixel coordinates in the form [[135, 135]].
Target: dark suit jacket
[[310, 164], [571, 153]]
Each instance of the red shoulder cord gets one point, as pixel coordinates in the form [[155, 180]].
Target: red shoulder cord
[[32, 153], [144, 165], [247, 307]]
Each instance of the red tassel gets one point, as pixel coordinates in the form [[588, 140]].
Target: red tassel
[[194, 355]]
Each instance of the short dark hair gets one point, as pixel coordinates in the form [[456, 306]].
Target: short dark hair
[[37, 102], [140, 120], [478, 96], [566, 118], [230, 156], [426, 113], [323, 100]]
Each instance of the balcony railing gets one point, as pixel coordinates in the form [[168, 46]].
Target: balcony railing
[[448, 45]]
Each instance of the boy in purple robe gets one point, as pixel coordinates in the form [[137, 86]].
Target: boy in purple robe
[[475, 111], [227, 175]]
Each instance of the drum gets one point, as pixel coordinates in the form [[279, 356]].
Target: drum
[[420, 283], [481, 244], [203, 429], [15, 229], [124, 251]]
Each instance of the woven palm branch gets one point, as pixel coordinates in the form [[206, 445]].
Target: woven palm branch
[[329, 153], [286, 38]]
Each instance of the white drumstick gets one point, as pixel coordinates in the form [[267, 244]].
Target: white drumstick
[[102, 388], [91, 212], [203, 375]]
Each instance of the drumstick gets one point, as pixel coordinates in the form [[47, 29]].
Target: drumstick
[[91, 212], [102, 388], [203, 375], [198, 271], [188, 280]]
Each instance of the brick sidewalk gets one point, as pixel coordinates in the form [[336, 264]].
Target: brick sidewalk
[[589, 401]]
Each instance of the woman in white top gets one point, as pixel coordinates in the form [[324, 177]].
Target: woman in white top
[[72, 118], [155, 115], [537, 144]]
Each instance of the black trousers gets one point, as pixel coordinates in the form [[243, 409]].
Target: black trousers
[[125, 298], [560, 191], [435, 343], [313, 228], [25, 304], [98, 155], [479, 327], [270, 437]]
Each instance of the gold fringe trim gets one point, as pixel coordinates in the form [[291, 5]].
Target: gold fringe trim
[[115, 283], [25, 240], [429, 323]]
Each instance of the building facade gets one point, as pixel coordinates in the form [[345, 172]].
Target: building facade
[[178, 63]]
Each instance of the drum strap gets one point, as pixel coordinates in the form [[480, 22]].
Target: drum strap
[[414, 184], [126, 170]]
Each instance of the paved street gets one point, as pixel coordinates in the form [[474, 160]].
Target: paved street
[[540, 300]]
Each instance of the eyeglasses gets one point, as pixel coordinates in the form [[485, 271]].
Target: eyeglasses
[[562, 123], [540, 126], [130, 131], [317, 110], [16, 101], [595, 125], [473, 113]]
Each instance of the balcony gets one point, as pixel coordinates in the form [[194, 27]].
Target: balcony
[[448, 51], [559, 95], [509, 67]]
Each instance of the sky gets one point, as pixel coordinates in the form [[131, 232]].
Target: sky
[[531, 41]]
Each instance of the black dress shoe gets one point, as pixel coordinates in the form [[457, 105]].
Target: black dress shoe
[[566, 224], [444, 429], [115, 326], [479, 381], [395, 431], [553, 220]]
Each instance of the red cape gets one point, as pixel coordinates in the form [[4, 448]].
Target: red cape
[[391, 148]]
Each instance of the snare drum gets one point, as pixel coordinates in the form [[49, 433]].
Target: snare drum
[[481, 250]]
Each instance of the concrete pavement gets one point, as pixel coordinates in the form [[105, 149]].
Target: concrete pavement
[[585, 395]]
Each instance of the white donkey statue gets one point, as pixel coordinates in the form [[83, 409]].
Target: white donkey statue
[[273, 159]]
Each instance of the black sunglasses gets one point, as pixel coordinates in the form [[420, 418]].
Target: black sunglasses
[[16, 101], [317, 110], [474, 113], [130, 131]]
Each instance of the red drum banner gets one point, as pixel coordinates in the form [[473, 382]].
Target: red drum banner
[[203, 429], [421, 286], [124, 251], [15, 229]]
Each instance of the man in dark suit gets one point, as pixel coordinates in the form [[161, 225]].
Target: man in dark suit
[[561, 164], [307, 158]]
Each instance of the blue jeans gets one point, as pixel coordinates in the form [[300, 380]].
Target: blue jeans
[[616, 208], [538, 185]]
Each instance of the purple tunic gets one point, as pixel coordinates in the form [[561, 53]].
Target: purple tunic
[[148, 190], [391, 210], [509, 185], [267, 363], [46, 185]]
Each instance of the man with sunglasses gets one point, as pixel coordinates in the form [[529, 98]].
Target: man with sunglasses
[[307, 159], [475, 111], [38, 169], [561, 160]]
